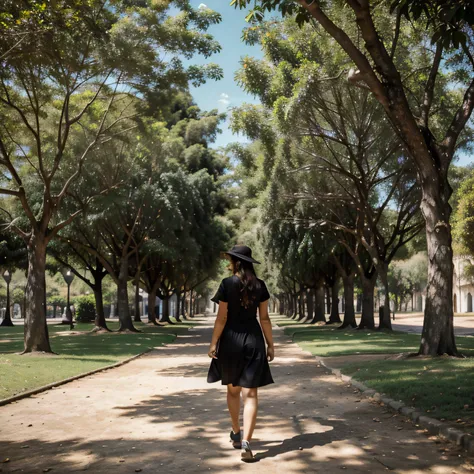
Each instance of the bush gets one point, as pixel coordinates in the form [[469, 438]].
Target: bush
[[56, 300], [85, 308]]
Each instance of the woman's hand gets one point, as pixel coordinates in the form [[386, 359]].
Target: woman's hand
[[212, 351], [270, 353]]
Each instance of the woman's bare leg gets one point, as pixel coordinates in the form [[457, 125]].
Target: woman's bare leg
[[233, 403], [250, 396]]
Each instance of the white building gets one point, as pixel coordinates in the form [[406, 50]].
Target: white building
[[463, 288]]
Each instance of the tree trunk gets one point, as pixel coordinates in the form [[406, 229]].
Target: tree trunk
[[349, 312], [178, 301], [123, 307], [335, 317], [36, 329], [190, 312], [384, 315], [295, 307], [137, 317], [303, 305], [7, 318], [328, 299], [152, 306], [367, 319], [183, 305], [165, 317], [310, 299], [437, 337], [319, 314], [54, 311], [100, 322], [300, 306]]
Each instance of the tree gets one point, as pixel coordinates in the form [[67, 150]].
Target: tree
[[407, 277], [295, 258], [377, 60], [56, 107], [76, 258], [341, 133], [346, 267], [194, 238]]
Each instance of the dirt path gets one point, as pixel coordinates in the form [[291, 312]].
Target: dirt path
[[157, 414]]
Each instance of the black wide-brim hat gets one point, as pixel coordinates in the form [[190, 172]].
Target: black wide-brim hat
[[242, 252]]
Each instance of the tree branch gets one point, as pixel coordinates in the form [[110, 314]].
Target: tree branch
[[10, 192], [430, 85], [459, 121], [397, 33], [313, 7]]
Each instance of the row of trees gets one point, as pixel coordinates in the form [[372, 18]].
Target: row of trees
[[105, 159], [360, 126]]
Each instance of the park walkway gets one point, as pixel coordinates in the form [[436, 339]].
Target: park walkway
[[157, 414]]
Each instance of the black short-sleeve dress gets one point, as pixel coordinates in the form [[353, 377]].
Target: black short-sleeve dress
[[241, 355]]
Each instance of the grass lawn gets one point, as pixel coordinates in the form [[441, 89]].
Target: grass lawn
[[441, 387], [77, 353]]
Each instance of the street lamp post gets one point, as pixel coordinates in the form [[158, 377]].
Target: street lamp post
[[68, 278], [7, 319]]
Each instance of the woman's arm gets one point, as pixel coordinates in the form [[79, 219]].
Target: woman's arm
[[219, 325], [266, 328]]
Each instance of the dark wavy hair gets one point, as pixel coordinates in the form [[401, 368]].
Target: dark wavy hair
[[248, 279]]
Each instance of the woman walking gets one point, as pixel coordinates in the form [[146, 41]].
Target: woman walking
[[237, 347]]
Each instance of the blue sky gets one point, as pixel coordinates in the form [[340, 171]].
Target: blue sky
[[225, 93]]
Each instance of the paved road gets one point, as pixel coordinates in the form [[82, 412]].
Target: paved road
[[157, 414], [463, 325]]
